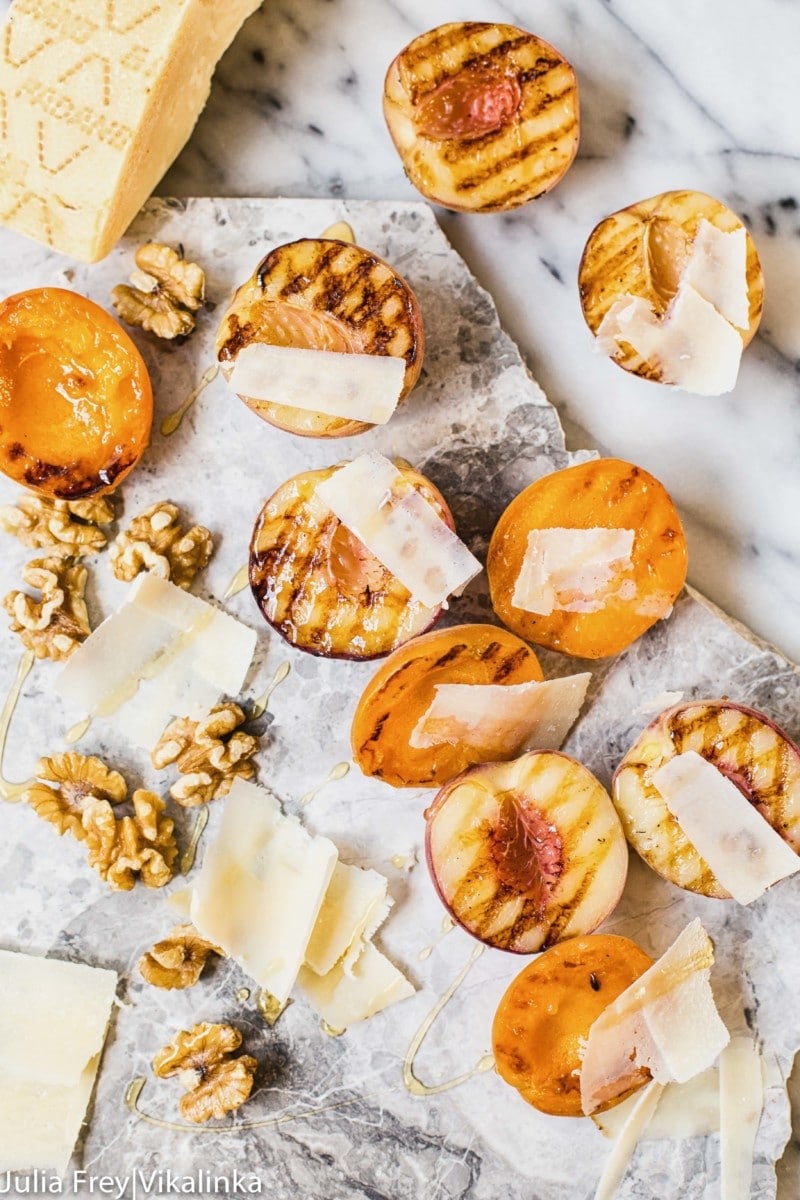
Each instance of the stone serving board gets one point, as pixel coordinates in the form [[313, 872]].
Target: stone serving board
[[330, 1117]]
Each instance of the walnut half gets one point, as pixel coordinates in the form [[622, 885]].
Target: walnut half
[[69, 783], [167, 292], [209, 754], [55, 624], [156, 541], [68, 527], [202, 1058], [139, 847], [178, 960]]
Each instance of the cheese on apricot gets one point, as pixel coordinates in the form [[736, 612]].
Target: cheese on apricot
[[571, 570]]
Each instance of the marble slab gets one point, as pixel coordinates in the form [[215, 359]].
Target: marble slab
[[330, 1116]]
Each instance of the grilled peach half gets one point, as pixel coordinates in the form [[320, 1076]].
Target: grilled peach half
[[403, 688], [745, 745], [629, 595], [323, 294], [319, 586], [642, 251], [525, 854], [483, 116], [76, 402], [543, 1020]]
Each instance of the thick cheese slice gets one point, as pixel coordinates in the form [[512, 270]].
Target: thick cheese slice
[[96, 100], [521, 716], [741, 1101], [666, 1021], [163, 654], [359, 387], [400, 527], [572, 570], [343, 999], [355, 904], [717, 270], [53, 1021], [638, 1118], [742, 849], [261, 887]]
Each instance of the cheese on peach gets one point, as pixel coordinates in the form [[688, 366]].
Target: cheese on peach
[[571, 570]]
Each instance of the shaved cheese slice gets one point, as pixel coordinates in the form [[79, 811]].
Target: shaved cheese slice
[[400, 527], [685, 1110], [571, 570], [354, 905], [163, 654], [40, 1122], [742, 849], [523, 716], [741, 1092], [639, 1116], [358, 387], [717, 270], [343, 999], [666, 1021], [261, 887]]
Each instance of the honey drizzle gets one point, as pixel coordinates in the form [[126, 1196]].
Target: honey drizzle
[[77, 731], [190, 853], [13, 792], [412, 1083], [338, 772], [238, 583], [427, 951], [171, 423], [260, 705]]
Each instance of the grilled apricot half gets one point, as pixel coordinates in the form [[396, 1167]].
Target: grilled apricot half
[[596, 607], [323, 294], [319, 586], [542, 1023], [76, 402], [403, 688], [484, 116]]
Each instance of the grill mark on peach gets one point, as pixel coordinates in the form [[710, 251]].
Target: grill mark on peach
[[495, 172], [466, 47], [457, 150]]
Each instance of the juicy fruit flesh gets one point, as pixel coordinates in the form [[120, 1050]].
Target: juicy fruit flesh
[[543, 1020], [75, 397], [469, 105], [526, 853]]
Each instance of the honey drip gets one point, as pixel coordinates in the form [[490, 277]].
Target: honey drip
[[415, 1085], [135, 1088], [260, 705], [329, 1031], [190, 853], [77, 731], [13, 792], [338, 772], [340, 231], [172, 422], [243, 994], [427, 951], [238, 583]]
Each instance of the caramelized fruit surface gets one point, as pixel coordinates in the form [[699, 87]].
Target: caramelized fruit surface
[[76, 403], [542, 1022], [604, 493]]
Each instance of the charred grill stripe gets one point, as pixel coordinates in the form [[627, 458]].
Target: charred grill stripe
[[510, 664], [450, 655], [521, 141], [496, 174]]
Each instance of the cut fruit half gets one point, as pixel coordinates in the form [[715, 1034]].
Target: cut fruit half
[[527, 853]]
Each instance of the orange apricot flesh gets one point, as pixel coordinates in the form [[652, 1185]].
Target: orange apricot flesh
[[543, 1020], [606, 494], [76, 402]]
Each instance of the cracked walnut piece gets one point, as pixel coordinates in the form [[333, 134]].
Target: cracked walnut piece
[[177, 961], [142, 846], [54, 625], [68, 527], [155, 541], [67, 784], [216, 1084], [209, 754], [167, 292]]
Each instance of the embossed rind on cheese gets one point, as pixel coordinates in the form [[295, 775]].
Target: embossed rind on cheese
[[96, 100]]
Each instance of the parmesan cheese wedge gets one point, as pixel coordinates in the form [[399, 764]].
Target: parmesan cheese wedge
[[741, 1101], [638, 1118], [717, 270], [398, 525], [523, 716], [355, 904], [742, 849], [343, 999], [261, 887], [163, 654], [572, 570], [358, 387], [96, 100], [53, 1020], [666, 1021]]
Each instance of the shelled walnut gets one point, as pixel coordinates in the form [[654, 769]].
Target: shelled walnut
[[177, 961], [156, 541], [215, 1082], [139, 847], [68, 527], [209, 754], [54, 625], [67, 784], [167, 291]]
